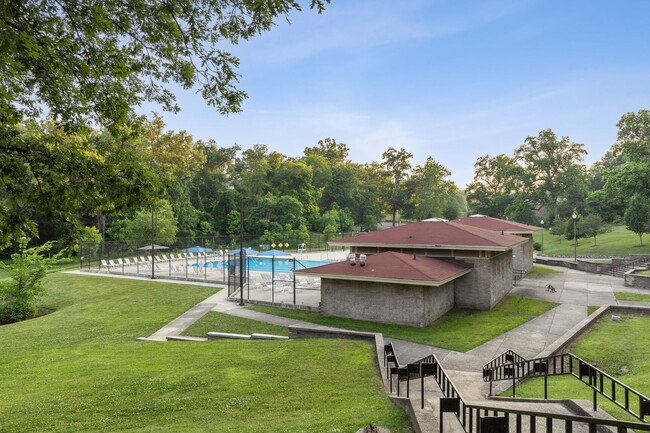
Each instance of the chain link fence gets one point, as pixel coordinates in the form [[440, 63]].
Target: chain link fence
[[264, 280]]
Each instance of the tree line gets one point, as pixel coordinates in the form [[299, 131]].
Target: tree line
[[546, 180], [112, 181], [76, 160]]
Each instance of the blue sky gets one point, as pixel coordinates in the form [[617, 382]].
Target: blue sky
[[449, 79]]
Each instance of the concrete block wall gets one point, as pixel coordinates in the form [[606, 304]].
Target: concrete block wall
[[522, 256], [438, 301], [489, 281], [402, 304]]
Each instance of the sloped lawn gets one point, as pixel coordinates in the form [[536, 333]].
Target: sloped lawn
[[80, 369], [459, 330]]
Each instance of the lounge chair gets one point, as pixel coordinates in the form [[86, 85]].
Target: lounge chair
[[105, 264], [284, 277], [266, 279]]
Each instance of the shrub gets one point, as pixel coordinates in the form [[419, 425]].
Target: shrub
[[537, 246], [16, 311], [26, 271]]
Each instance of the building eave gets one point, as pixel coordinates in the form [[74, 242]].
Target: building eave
[[429, 246], [430, 283]]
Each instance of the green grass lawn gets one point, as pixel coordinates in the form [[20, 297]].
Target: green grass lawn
[[543, 270], [626, 296], [459, 330], [80, 369], [618, 348], [220, 322], [620, 242]]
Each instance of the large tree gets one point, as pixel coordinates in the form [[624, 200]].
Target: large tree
[[553, 166], [633, 138], [86, 60], [434, 194], [396, 166], [84, 63], [47, 174], [631, 174], [637, 216], [497, 181]]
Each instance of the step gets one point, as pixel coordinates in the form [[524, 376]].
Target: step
[[227, 335], [185, 338], [256, 336]]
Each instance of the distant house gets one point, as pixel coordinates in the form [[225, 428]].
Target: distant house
[[481, 278], [522, 255]]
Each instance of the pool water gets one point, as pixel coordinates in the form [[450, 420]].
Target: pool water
[[263, 264]]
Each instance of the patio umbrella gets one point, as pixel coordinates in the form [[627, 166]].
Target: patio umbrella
[[154, 247], [247, 251], [274, 253], [198, 249]]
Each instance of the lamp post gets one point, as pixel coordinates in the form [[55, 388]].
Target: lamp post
[[241, 251], [542, 223], [153, 240], [575, 242]]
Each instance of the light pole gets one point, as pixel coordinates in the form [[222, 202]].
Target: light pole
[[542, 223], [241, 251], [153, 239], [575, 242]]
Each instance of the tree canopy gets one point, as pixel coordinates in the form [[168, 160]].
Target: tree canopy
[[95, 61], [73, 73]]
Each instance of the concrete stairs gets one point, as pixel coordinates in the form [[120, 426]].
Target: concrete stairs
[[619, 271]]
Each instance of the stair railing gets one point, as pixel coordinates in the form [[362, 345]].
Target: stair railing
[[601, 383]]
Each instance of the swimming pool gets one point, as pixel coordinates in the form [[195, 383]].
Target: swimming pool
[[265, 264]]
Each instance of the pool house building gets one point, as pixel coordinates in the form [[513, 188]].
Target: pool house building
[[414, 273]]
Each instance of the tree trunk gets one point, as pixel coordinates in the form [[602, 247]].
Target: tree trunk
[[394, 216]]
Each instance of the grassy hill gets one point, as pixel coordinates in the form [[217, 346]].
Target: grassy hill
[[619, 242], [80, 369]]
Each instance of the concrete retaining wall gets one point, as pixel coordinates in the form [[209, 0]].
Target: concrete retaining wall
[[632, 279]]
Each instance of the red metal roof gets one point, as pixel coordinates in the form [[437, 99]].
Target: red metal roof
[[435, 234], [496, 224], [393, 267]]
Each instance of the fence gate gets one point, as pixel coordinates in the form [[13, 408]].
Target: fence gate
[[237, 273]]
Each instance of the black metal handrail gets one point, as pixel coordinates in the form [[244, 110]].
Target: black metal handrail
[[501, 420], [477, 418], [600, 382], [507, 357], [517, 274]]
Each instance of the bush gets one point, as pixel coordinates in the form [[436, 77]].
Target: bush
[[16, 311], [537, 246], [18, 293]]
